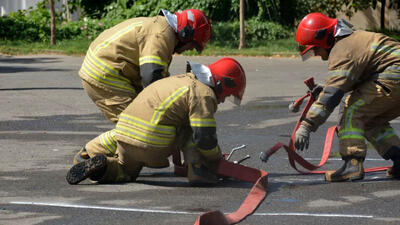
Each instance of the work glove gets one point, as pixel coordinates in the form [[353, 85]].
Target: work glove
[[302, 137]]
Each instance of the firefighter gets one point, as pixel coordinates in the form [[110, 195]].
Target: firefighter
[[170, 114], [131, 55], [367, 66]]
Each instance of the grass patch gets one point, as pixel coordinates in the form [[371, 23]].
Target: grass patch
[[283, 47], [66, 47]]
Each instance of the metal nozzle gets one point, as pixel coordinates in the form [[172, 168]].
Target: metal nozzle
[[293, 108], [241, 160], [264, 156], [234, 150]]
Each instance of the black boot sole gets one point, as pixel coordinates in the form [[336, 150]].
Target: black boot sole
[[345, 177], [83, 170]]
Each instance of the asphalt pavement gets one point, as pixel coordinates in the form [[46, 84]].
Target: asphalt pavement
[[45, 117]]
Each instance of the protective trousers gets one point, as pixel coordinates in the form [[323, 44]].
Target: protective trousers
[[124, 161], [111, 102], [367, 113]]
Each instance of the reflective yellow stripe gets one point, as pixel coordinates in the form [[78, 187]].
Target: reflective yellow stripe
[[167, 103], [195, 122], [387, 133], [349, 132], [392, 50], [144, 137], [109, 141], [86, 69], [350, 112], [341, 73], [104, 67], [121, 176], [352, 133], [117, 35], [131, 120], [209, 152], [152, 59], [318, 110]]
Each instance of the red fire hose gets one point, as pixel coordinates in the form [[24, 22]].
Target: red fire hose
[[259, 177], [291, 150], [239, 172]]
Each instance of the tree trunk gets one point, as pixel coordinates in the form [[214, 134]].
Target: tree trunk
[[53, 23], [67, 12], [242, 43], [383, 6]]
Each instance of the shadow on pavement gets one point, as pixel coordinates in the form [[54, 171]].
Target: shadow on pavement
[[35, 60], [40, 88], [19, 69]]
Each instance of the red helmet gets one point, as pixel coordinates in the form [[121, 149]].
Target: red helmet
[[193, 24], [316, 30], [229, 79]]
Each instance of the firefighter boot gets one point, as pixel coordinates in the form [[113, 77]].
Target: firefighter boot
[[90, 168], [394, 154], [199, 175], [81, 156], [352, 169]]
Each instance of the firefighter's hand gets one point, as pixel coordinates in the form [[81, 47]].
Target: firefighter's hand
[[302, 137]]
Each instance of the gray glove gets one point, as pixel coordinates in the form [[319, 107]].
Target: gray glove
[[302, 137]]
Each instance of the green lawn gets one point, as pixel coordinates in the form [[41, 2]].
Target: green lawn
[[67, 47], [284, 47]]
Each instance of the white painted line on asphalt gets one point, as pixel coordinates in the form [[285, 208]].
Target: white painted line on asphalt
[[65, 205]]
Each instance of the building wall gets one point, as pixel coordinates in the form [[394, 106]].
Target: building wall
[[370, 19], [7, 6]]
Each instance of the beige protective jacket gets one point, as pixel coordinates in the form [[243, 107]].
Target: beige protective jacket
[[166, 106], [354, 59], [130, 55]]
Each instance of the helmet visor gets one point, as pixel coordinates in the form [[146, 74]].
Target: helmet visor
[[234, 99], [306, 51]]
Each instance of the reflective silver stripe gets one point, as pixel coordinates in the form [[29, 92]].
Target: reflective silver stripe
[[388, 76], [353, 134], [195, 122], [390, 73], [341, 73], [104, 67], [152, 59], [109, 141], [350, 112], [209, 152], [117, 35], [392, 50], [131, 120], [91, 72], [385, 135], [142, 136], [393, 68], [167, 103], [318, 110]]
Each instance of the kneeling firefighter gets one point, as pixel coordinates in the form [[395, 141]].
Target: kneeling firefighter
[[172, 113], [366, 65]]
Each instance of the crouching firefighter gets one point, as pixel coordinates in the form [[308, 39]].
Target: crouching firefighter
[[124, 59], [366, 65], [172, 113]]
